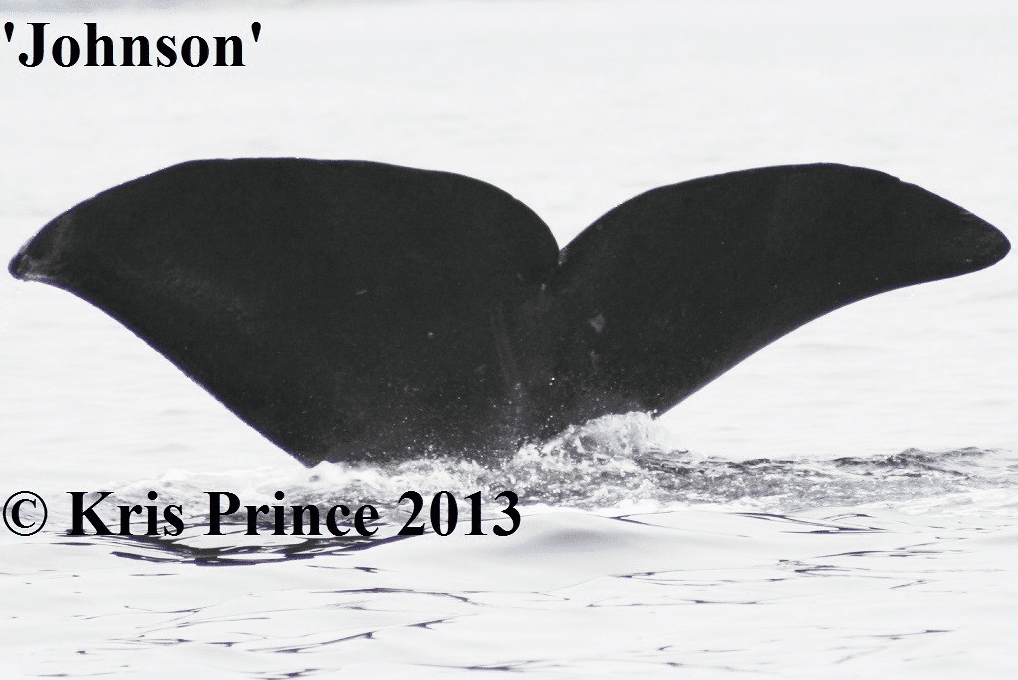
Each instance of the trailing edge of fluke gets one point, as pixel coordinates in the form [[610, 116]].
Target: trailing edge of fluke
[[350, 310]]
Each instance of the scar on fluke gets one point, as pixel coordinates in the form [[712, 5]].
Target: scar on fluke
[[349, 309]]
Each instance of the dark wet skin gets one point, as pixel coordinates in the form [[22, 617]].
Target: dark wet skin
[[351, 310]]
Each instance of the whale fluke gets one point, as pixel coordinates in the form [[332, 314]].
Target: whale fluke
[[350, 310]]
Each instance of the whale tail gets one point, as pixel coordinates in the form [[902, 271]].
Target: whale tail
[[347, 309]]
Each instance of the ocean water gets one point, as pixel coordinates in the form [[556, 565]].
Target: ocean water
[[841, 503]]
